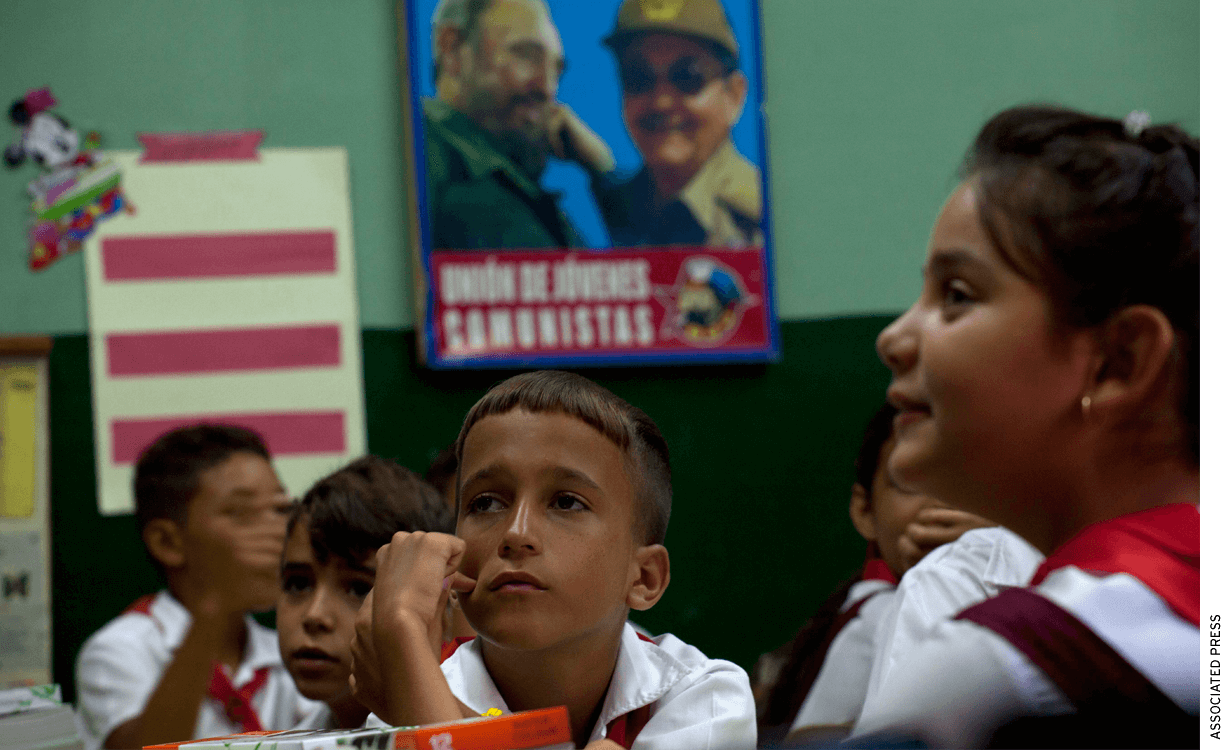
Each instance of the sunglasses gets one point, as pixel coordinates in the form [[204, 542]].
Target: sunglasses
[[687, 75]]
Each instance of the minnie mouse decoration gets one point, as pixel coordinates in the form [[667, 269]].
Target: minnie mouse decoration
[[74, 192]]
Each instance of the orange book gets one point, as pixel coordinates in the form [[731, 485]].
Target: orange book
[[526, 730], [523, 730]]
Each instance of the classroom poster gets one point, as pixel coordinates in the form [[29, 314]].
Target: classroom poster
[[608, 207], [25, 552], [228, 297]]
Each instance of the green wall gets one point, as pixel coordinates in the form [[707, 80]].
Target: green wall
[[870, 104]]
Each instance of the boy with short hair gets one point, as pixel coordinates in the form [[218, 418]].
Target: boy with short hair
[[189, 661], [563, 506], [328, 569]]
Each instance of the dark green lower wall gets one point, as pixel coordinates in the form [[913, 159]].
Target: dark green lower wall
[[762, 459]]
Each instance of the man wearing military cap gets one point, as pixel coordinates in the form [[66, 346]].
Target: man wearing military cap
[[682, 94]]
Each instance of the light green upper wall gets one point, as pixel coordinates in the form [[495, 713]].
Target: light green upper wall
[[870, 105]]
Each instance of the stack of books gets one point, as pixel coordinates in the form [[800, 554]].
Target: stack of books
[[34, 718], [543, 729]]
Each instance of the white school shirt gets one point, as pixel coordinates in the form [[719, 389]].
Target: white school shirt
[[836, 696], [976, 566], [697, 703], [964, 681], [120, 665], [319, 718]]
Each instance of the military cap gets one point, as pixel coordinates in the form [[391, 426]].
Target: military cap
[[702, 19]]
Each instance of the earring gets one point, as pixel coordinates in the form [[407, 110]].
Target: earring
[[1086, 405]]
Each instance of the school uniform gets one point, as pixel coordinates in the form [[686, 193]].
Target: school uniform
[[121, 664], [663, 695], [973, 568], [1103, 647], [836, 696], [320, 717]]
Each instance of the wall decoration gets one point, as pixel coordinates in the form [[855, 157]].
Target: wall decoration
[[229, 298], [589, 182], [76, 189]]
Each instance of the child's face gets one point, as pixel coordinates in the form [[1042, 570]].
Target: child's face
[[883, 517], [316, 614], [987, 383], [546, 513], [235, 531]]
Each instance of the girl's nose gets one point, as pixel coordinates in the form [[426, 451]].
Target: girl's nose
[[897, 344]]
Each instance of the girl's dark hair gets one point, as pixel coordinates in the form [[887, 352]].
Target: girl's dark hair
[[358, 508], [1102, 215], [803, 657]]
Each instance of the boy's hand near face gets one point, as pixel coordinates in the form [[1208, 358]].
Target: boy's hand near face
[[935, 527], [398, 630]]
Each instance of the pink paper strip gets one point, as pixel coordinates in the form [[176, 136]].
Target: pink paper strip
[[38, 100], [217, 255], [237, 145], [185, 352], [286, 433]]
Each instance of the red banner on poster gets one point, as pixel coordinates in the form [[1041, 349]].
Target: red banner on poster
[[654, 300]]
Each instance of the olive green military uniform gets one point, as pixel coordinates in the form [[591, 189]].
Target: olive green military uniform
[[719, 207], [478, 197]]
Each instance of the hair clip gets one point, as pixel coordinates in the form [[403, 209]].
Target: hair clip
[[1136, 122]]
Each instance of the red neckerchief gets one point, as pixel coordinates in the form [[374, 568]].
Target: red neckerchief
[[238, 703], [622, 730], [142, 606], [875, 569], [451, 647], [1160, 547]]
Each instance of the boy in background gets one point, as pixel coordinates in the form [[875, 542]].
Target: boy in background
[[562, 513], [813, 687], [328, 569], [189, 661]]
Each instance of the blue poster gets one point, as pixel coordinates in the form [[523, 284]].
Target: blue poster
[[624, 138]]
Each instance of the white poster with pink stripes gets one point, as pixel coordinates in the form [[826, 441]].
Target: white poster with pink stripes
[[229, 296]]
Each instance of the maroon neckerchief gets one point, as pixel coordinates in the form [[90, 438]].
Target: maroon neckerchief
[[1160, 547], [875, 569], [238, 702]]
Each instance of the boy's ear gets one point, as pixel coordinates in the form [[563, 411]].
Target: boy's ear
[[165, 542], [861, 513], [652, 576], [1137, 343]]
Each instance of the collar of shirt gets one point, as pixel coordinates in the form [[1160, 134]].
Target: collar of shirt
[[1160, 547], [480, 153], [173, 619], [644, 672], [727, 177]]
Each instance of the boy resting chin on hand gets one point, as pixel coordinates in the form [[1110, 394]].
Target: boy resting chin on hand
[[564, 496]]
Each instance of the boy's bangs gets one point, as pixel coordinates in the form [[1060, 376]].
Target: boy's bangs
[[629, 428]]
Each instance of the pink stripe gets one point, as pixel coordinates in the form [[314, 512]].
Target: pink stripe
[[236, 145], [183, 352], [211, 255], [286, 433]]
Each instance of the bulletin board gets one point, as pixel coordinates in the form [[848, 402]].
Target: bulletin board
[[228, 297], [25, 549]]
